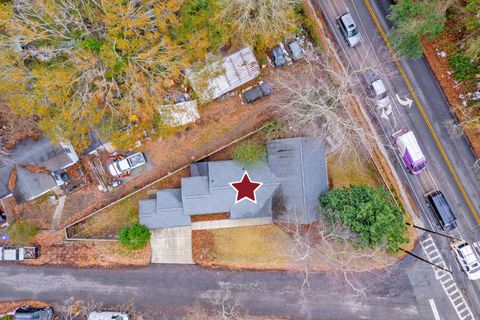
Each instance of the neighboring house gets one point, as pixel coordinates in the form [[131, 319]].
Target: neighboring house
[[97, 143], [39, 166], [220, 77], [107, 315], [31, 313], [293, 179]]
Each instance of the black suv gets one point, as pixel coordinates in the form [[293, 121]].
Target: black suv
[[443, 213], [254, 93]]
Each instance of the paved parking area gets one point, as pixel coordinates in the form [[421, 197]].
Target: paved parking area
[[172, 245]]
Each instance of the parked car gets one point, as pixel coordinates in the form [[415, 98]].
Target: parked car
[[349, 29], [3, 218], [468, 258], [254, 93], [278, 55], [121, 166], [31, 313], [106, 315], [441, 209], [296, 51], [376, 88]]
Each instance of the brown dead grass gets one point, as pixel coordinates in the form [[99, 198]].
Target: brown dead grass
[[272, 247], [86, 254], [210, 217], [7, 307], [349, 169], [12, 179]]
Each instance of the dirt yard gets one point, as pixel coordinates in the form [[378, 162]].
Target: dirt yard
[[273, 247], [86, 254], [107, 223]]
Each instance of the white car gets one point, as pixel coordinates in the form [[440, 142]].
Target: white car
[[380, 93], [349, 30], [467, 258], [122, 166]]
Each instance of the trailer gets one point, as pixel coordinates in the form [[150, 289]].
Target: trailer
[[410, 151], [11, 253]]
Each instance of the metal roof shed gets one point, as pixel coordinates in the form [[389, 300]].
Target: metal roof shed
[[235, 69]]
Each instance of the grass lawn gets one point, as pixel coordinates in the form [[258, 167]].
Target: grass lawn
[[349, 169], [250, 247], [107, 223]]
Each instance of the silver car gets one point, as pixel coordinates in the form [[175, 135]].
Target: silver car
[[349, 30]]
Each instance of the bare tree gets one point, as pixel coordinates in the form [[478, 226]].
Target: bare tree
[[313, 101]]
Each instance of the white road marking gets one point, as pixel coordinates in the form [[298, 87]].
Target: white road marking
[[434, 309], [407, 102], [446, 281]]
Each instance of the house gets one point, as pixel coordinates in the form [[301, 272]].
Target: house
[[39, 167], [292, 180], [31, 313], [220, 77]]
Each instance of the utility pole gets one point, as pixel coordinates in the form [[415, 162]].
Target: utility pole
[[425, 260], [431, 231]]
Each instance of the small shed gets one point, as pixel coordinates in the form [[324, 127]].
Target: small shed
[[179, 114], [220, 77]]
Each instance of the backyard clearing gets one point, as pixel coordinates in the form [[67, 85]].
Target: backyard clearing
[[106, 223]]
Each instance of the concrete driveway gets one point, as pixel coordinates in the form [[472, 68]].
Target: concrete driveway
[[172, 245]]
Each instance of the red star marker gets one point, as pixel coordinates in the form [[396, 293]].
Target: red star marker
[[245, 188]]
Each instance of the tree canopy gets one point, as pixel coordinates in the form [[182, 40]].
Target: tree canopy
[[414, 19], [134, 237], [369, 212], [107, 65]]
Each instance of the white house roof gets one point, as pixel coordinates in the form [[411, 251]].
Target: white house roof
[[107, 316], [234, 70]]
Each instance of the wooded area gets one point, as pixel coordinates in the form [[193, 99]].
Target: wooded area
[[83, 64]]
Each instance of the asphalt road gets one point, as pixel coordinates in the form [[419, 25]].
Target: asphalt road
[[374, 53], [168, 291]]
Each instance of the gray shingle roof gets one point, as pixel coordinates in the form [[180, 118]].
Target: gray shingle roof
[[28, 184], [213, 194], [300, 165], [163, 212]]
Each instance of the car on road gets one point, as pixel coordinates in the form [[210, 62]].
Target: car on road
[[410, 151], [376, 88], [121, 166], [254, 93], [467, 257], [349, 29], [441, 209], [278, 55]]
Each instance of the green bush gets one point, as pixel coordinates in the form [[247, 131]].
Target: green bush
[[250, 153], [22, 233], [462, 66], [91, 44], [369, 212], [134, 237]]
